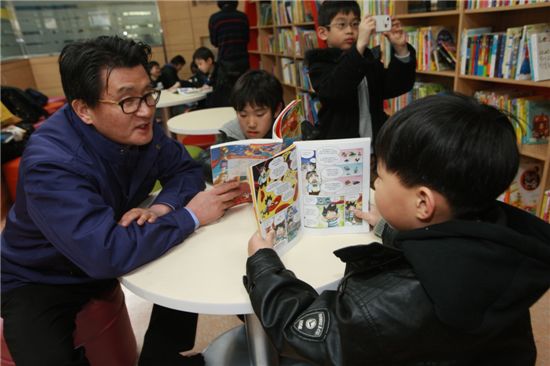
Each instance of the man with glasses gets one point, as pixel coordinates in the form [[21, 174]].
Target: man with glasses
[[76, 224], [349, 77]]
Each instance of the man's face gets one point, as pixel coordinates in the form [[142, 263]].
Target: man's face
[[255, 121], [342, 31], [110, 121], [205, 66]]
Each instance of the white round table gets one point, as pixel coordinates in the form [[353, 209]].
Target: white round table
[[202, 121], [172, 99], [204, 275]]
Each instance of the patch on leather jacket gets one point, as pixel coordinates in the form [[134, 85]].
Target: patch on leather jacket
[[312, 325]]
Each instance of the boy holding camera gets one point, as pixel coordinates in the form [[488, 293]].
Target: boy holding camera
[[349, 78]]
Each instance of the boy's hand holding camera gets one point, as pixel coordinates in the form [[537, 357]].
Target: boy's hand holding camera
[[395, 35]]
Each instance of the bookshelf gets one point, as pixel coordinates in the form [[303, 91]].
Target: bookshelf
[[499, 18], [280, 33]]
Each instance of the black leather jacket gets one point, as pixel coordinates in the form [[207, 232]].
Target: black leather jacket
[[456, 293]]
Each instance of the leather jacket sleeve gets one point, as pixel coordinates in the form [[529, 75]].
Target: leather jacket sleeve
[[301, 323]]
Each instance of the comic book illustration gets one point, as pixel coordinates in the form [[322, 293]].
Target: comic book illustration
[[312, 187], [287, 125], [230, 161]]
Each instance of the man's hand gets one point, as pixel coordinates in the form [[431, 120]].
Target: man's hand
[[141, 215], [397, 37], [366, 28], [256, 242], [372, 217], [210, 205]]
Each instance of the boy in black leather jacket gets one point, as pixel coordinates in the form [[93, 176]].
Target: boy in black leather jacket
[[452, 282], [257, 97]]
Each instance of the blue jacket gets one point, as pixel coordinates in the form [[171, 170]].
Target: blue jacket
[[74, 185]]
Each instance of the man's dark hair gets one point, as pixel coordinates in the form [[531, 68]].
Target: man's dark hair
[[178, 60], [454, 145], [259, 88], [229, 4], [81, 64], [203, 53], [330, 8]]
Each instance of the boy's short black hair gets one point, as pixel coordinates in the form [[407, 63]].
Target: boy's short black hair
[[81, 64], [178, 60], [453, 144], [152, 64], [203, 53], [259, 88], [330, 8]]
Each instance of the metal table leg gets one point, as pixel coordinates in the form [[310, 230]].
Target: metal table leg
[[261, 351]]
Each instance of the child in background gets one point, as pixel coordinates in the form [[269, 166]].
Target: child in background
[[198, 79], [452, 282], [204, 61], [154, 75], [169, 73], [349, 78], [258, 99]]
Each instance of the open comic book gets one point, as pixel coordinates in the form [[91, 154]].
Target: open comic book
[[312, 187], [230, 160]]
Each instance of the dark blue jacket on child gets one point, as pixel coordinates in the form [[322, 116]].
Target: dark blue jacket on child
[[335, 75]]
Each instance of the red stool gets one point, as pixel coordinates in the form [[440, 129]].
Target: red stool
[[10, 172], [202, 141], [103, 328]]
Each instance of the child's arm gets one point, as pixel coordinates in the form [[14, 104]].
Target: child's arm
[[366, 29], [256, 242], [397, 38], [300, 321]]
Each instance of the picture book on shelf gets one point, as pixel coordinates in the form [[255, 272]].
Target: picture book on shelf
[[230, 160], [523, 69], [539, 50], [525, 190], [536, 113], [312, 187]]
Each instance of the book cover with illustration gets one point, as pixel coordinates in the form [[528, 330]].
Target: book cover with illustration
[[523, 66], [539, 50], [230, 160], [312, 187], [525, 190], [536, 113], [287, 125]]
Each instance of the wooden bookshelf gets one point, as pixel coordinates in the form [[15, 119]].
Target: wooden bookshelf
[[499, 18], [272, 59]]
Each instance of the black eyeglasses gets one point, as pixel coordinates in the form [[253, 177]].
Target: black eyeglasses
[[343, 25], [132, 104]]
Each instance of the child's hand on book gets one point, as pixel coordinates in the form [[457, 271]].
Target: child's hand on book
[[372, 216], [256, 242]]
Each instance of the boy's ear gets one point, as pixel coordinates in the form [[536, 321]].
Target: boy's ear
[[83, 111], [322, 32], [425, 204]]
